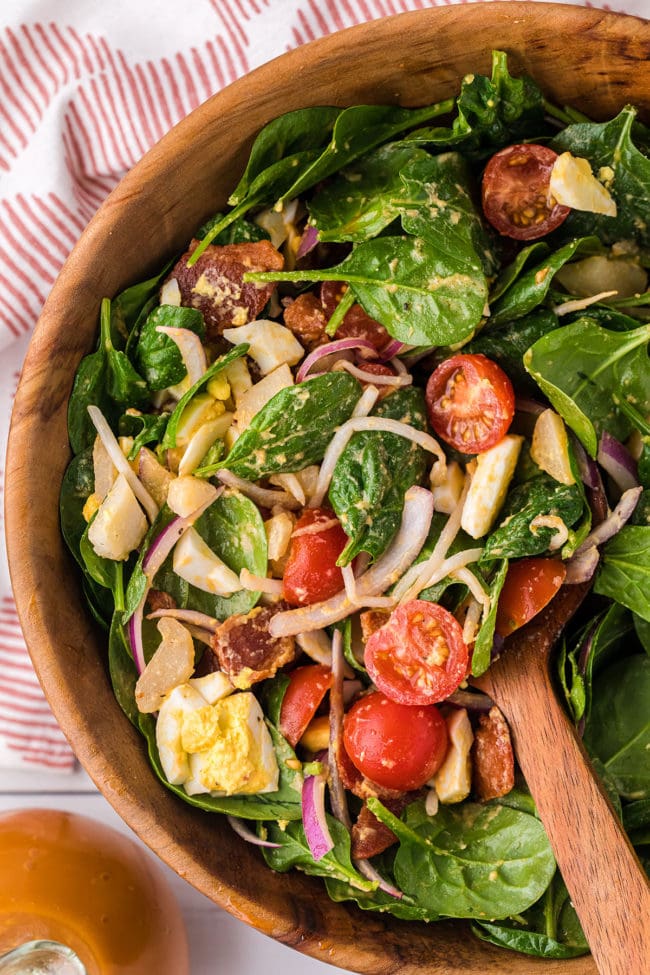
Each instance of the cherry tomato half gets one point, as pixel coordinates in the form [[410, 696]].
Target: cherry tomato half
[[396, 746], [307, 688], [470, 402], [516, 198], [530, 585], [311, 573], [356, 324], [418, 656]]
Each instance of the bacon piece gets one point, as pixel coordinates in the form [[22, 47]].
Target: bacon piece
[[306, 319], [214, 284], [370, 836], [356, 324], [492, 757], [372, 620], [245, 650], [157, 599]]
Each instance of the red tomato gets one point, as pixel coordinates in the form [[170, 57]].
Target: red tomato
[[530, 585], [356, 324], [418, 656], [311, 573], [301, 699], [470, 402], [396, 746], [516, 197]]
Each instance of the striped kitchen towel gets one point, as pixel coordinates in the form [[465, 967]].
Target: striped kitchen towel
[[85, 90]]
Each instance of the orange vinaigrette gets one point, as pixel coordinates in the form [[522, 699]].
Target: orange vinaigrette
[[70, 879]]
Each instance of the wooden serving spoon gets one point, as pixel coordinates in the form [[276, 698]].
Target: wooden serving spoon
[[606, 883]]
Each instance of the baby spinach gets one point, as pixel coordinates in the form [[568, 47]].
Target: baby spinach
[[77, 486], [145, 428], [294, 428], [294, 852], [531, 287], [508, 275], [508, 343], [169, 439], [377, 900], [233, 529], [589, 373], [122, 669], [625, 169], [239, 232], [158, 357], [373, 474], [283, 804], [513, 538], [618, 730], [127, 308], [483, 643], [473, 861], [420, 294], [107, 573], [624, 573]]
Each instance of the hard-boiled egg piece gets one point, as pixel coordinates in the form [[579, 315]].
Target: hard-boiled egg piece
[[487, 491], [201, 442], [172, 664], [192, 353], [271, 344], [196, 563], [169, 729], [252, 401], [212, 686], [119, 525], [550, 447], [186, 494], [453, 780], [573, 184]]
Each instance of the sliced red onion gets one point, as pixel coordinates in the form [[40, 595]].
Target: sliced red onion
[[255, 583], [524, 405], [614, 521], [392, 349], [366, 868], [411, 536], [351, 688], [616, 459], [135, 636], [337, 791], [331, 348], [589, 473], [581, 567], [308, 241], [262, 496], [314, 821], [247, 834], [470, 700], [187, 616], [370, 377]]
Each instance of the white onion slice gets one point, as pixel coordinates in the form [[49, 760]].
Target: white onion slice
[[246, 833], [411, 536], [191, 349], [370, 377], [255, 583], [614, 521], [337, 791], [578, 304], [113, 450], [359, 424], [262, 496], [317, 833], [467, 577], [555, 523], [317, 645], [582, 567], [186, 616]]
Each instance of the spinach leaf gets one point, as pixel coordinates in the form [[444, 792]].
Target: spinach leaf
[[106, 572], [122, 669], [294, 428], [618, 730], [373, 474], [358, 204], [589, 373], [624, 573], [437, 204], [169, 439], [377, 900], [272, 693], [636, 815], [473, 861], [531, 287], [543, 495], [77, 486], [642, 628], [610, 149], [507, 344], [284, 804], [509, 274], [485, 637], [127, 307], [145, 428], [233, 529], [158, 357], [422, 296], [240, 232], [294, 852]]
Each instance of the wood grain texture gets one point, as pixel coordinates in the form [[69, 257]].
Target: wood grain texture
[[595, 60]]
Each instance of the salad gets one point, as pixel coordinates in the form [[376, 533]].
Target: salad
[[330, 459]]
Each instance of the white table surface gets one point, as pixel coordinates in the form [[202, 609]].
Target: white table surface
[[219, 944]]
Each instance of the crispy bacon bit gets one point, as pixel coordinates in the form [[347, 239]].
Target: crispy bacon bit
[[245, 650], [492, 757], [157, 599], [214, 284], [370, 836], [372, 620], [306, 319], [356, 324]]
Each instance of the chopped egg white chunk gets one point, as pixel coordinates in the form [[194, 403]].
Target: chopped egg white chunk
[[119, 525], [573, 184], [196, 563], [453, 780], [271, 344], [487, 491], [169, 726], [257, 396], [186, 494]]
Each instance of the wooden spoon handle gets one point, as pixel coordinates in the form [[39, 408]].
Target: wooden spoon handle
[[607, 885]]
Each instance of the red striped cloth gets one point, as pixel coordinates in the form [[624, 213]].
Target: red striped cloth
[[85, 90]]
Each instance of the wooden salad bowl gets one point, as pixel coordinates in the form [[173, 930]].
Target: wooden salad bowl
[[594, 60]]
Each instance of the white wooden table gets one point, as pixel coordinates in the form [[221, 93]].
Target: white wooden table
[[219, 944]]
